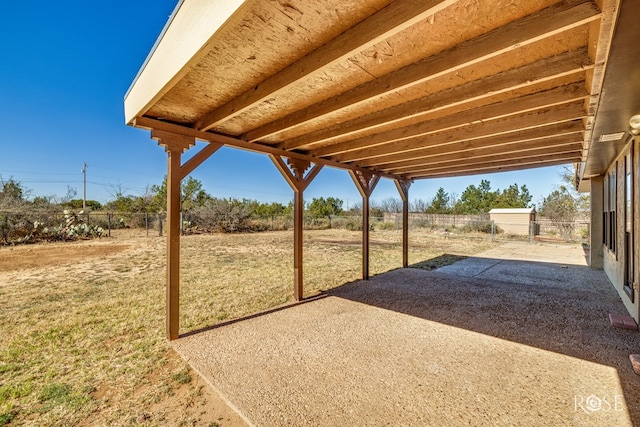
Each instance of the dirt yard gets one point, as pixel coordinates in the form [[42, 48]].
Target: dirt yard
[[83, 323]]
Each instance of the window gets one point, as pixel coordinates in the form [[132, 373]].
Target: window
[[628, 228], [628, 198], [613, 182], [605, 211], [609, 209]]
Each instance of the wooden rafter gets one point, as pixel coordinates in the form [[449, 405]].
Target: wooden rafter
[[436, 156], [414, 138], [490, 159], [511, 107], [391, 20], [530, 29], [516, 137], [498, 166], [566, 64]]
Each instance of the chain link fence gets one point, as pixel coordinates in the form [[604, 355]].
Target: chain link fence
[[20, 227]]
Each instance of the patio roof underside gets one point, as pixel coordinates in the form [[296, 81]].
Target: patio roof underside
[[406, 89]]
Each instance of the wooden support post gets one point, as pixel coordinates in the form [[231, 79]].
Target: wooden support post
[[174, 145], [298, 242], [365, 182], [403, 189], [365, 237], [294, 172]]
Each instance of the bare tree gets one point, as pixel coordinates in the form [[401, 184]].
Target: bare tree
[[391, 204], [419, 205]]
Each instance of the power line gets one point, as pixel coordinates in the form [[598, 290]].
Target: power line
[[37, 173]]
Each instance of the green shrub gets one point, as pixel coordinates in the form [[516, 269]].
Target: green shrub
[[584, 233], [385, 226], [315, 223]]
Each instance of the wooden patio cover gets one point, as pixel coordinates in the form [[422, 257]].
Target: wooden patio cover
[[404, 89]]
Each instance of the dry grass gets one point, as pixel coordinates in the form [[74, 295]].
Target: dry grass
[[83, 334]]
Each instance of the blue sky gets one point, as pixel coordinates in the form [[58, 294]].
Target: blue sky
[[65, 69]]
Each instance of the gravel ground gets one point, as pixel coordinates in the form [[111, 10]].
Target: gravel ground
[[491, 340]]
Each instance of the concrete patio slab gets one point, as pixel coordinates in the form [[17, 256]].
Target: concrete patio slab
[[413, 347]]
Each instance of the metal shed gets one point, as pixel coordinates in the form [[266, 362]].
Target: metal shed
[[514, 220]]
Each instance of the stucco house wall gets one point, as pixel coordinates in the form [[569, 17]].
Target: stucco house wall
[[614, 263]]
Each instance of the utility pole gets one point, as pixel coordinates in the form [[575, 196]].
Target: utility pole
[[84, 192]]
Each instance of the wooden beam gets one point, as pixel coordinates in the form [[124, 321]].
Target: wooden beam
[[403, 189], [566, 64], [439, 156], [497, 166], [149, 123], [511, 107], [294, 173], [385, 23], [172, 141], [413, 138], [548, 22], [599, 49], [489, 159], [365, 183], [521, 136]]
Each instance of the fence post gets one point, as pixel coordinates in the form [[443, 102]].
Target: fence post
[[109, 224], [493, 231], [146, 222], [532, 227], [160, 224]]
